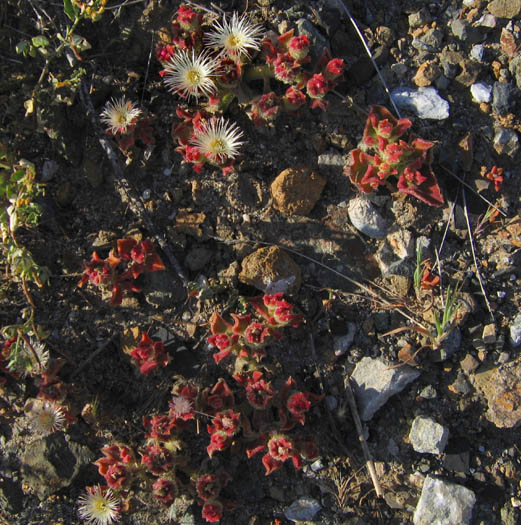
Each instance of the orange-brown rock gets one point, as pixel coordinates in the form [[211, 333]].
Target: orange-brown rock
[[295, 191], [269, 265]]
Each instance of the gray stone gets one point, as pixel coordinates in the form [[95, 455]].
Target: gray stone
[[466, 32], [515, 331], [477, 52], [449, 346], [457, 462], [429, 392], [487, 20], [433, 38], [365, 217], [506, 141], [52, 463], [427, 436], [303, 509], [502, 95], [425, 102], [162, 291], [390, 264], [420, 18], [515, 69], [49, 169], [444, 503], [343, 342], [375, 382], [481, 92], [449, 70], [332, 163]]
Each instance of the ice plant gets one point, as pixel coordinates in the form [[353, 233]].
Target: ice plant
[[190, 74], [383, 153], [149, 354], [99, 505], [116, 466], [120, 116], [45, 417], [218, 140], [495, 175], [236, 37]]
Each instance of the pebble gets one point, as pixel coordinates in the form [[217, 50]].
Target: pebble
[[331, 163], [506, 141], [49, 169], [504, 8], [303, 509], [366, 218], [481, 92], [502, 95], [515, 69], [444, 503], [501, 386], [419, 18], [515, 331], [429, 392], [489, 333], [464, 31], [374, 383], [477, 52], [425, 102], [427, 436], [488, 21]]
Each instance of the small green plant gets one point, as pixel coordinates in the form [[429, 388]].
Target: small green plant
[[450, 305]]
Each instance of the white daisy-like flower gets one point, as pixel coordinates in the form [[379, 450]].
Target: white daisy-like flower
[[44, 417], [235, 37], [99, 506], [190, 75], [180, 406], [218, 140], [120, 115]]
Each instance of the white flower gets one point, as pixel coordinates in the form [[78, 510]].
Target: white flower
[[190, 75], [180, 406], [120, 115], [235, 37], [99, 506], [45, 417], [218, 140]]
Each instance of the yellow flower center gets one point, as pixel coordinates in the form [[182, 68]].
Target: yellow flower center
[[193, 76], [233, 42], [217, 146]]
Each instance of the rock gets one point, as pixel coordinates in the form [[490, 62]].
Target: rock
[[295, 191], [481, 92], [49, 169], [365, 217], [464, 31], [431, 41], [501, 387], [515, 69], [426, 74], [449, 346], [457, 462], [515, 331], [502, 94], [427, 436], [488, 21], [197, 258], [429, 392], [489, 334], [390, 264], [162, 291], [509, 43], [504, 8], [469, 364], [477, 52], [332, 163], [444, 503], [303, 509], [470, 70], [420, 18], [267, 265], [343, 342], [424, 102], [506, 141], [52, 463], [374, 383]]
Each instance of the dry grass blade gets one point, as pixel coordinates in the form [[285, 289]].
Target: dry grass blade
[[478, 273], [342, 5]]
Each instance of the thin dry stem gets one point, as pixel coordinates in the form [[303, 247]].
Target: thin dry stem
[[478, 273]]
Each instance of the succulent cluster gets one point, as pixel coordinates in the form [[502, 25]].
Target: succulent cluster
[[256, 416], [120, 269], [383, 154]]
